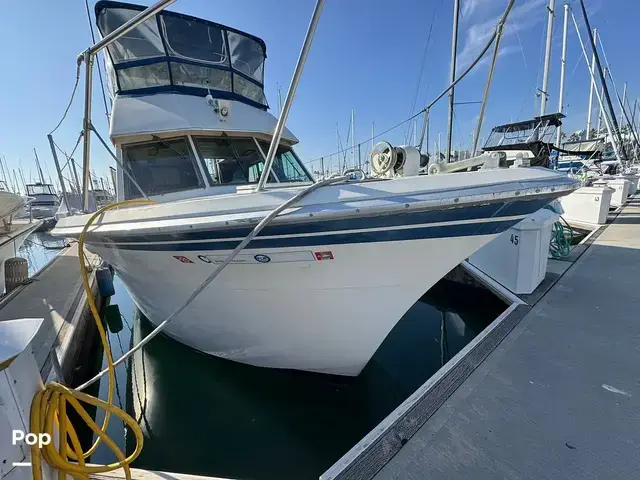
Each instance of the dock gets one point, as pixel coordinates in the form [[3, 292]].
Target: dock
[[55, 293], [549, 390]]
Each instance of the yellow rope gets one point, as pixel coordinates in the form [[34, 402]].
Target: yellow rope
[[49, 406]]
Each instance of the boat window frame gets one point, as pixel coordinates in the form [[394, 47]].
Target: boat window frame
[[278, 182], [202, 179]]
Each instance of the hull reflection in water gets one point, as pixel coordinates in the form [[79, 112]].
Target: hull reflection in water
[[210, 416]]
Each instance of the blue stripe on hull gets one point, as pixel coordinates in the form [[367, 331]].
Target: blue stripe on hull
[[487, 211], [442, 231]]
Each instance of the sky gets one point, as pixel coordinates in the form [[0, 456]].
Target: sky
[[385, 59]]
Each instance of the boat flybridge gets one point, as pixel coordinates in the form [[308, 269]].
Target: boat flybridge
[[325, 280]]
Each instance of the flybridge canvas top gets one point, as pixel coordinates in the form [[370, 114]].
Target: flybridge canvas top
[[172, 52], [518, 134], [40, 189]]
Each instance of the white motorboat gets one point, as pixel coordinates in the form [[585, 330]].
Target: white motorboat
[[324, 283], [10, 204], [43, 200]]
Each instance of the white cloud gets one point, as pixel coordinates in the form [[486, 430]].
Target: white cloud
[[469, 7], [522, 17]]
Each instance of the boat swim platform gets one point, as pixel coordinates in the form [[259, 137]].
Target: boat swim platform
[[548, 390], [55, 293]]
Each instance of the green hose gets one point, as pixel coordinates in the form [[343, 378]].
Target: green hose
[[561, 238]]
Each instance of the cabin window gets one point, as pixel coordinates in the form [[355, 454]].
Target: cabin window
[[195, 40], [144, 41], [197, 76], [154, 75], [233, 161], [248, 89], [247, 55], [230, 161], [286, 165], [159, 167]]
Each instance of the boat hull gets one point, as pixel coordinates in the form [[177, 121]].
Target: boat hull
[[293, 311], [321, 286]]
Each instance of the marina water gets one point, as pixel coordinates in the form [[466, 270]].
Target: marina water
[[209, 416]]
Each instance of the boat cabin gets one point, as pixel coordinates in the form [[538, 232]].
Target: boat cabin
[[42, 194], [189, 112], [532, 139]]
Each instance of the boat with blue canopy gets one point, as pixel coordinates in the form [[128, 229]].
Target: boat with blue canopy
[[335, 264]]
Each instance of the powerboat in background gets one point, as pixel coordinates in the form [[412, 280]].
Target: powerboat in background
[[101, 197], [44, 200], [324, 283]]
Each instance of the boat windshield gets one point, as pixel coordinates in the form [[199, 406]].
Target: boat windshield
[[240, 161], [174, 52], [166, 166], [40, 189]]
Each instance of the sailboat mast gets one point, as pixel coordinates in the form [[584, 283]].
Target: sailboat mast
[[24, 184], [42, 180], [614, 139], [414, 138], [563, 62], [75, 175], [373, 134], [591, 89], [279, 100], [454, 50], [544, 95], [4, 175], [338, 146], [599, 125], [353, 136], [614, 120], [15, 177], [624, 97]]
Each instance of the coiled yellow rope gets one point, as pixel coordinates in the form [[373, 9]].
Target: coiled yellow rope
[[49, 406]]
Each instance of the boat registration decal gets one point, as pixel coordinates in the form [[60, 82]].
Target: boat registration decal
[[323, 255], [262, 258]]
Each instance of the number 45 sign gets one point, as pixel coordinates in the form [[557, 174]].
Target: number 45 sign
[[514, 239]]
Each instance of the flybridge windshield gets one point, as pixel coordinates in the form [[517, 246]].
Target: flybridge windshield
[[40, 189], [174, 52]]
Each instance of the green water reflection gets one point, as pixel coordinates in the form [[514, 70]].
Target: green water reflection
[[209, 416]]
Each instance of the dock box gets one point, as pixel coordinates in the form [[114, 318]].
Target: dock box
[[620, 187], [517, 258], [587, 206]]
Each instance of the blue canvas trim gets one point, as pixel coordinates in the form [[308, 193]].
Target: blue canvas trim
[[444, 231], [488, 211], [195, 91]]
